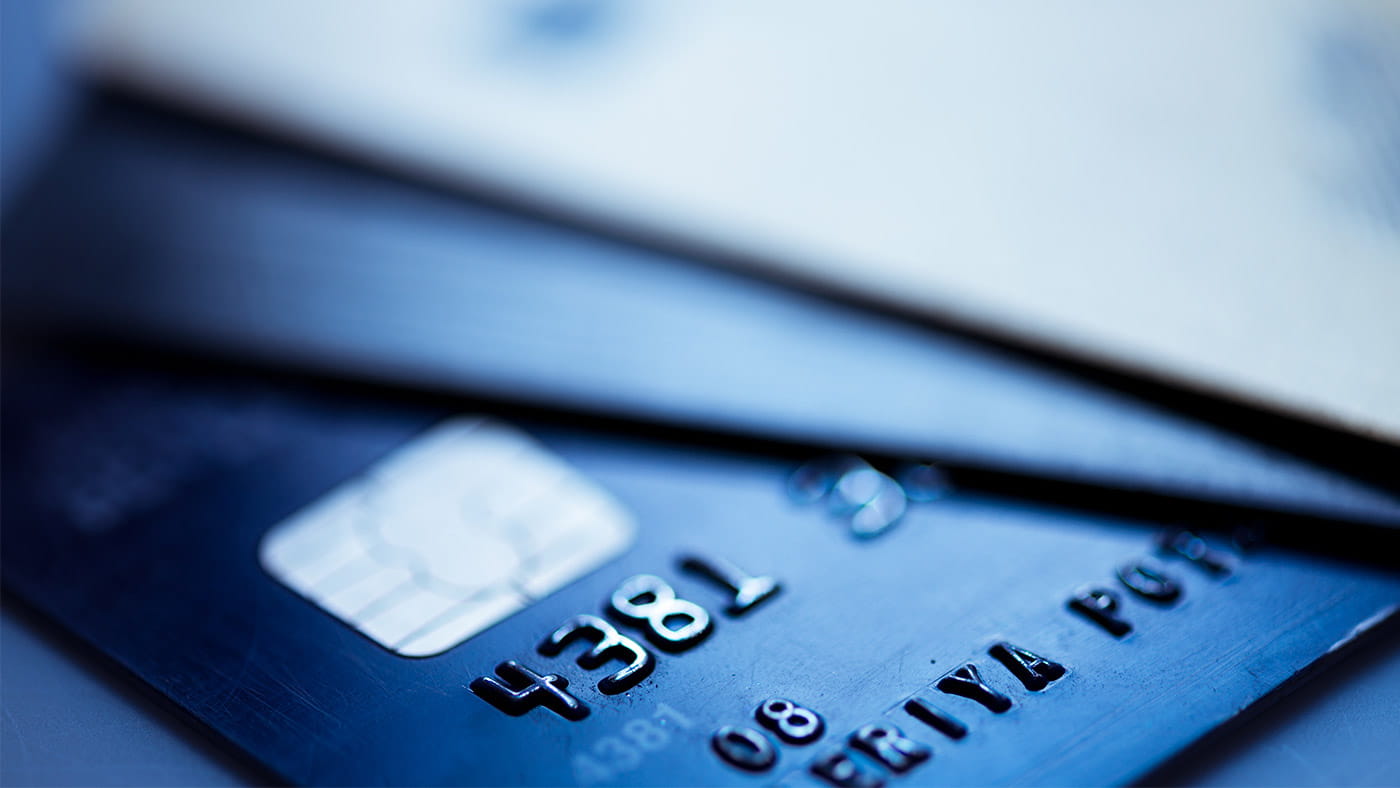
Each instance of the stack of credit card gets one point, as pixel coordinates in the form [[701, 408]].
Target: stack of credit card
[[381, 482], [354, 589]]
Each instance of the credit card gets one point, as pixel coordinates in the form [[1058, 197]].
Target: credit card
[[216, 242], [1070, 178], [673, 613]]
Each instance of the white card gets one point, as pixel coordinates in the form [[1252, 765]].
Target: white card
[[1200, 191]]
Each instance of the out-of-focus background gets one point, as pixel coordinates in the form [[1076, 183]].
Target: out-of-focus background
[[1199, 193]]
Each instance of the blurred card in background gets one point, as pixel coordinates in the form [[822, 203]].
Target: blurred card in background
[[1208, 194]]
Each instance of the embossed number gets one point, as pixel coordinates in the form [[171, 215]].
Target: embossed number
[[673, 624], [794, 724], [748, 590], [608, 644], [524, 689], [745, 748]]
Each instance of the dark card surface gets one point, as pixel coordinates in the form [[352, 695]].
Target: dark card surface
[[678, 614]]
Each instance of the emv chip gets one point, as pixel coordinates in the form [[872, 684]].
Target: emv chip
[[457, 530]]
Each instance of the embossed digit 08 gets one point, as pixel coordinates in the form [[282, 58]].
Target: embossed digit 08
[[794, 724], [672, 624], [745, 748]]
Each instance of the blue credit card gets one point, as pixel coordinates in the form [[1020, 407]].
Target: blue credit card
[[202, 238], [356, 589]]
